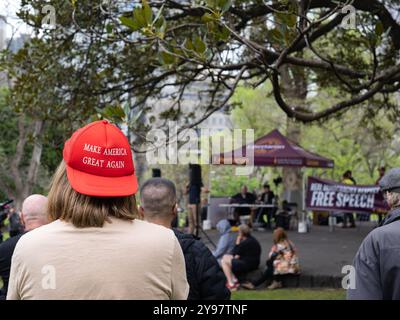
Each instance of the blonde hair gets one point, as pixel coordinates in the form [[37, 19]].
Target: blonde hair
[[245, 230], [394, 200], [85, 211]]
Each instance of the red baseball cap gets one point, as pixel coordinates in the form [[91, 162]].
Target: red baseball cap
[[99, 161]]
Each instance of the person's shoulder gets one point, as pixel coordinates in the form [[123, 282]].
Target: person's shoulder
[[182, 235], [186, 240], [202, 252], [385, 229], [153, 227], [379, 239], [252, 238], [253, 241], [38, 235], [191, 241], [388, 232]]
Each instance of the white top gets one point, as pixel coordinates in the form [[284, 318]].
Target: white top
[[123, 260]]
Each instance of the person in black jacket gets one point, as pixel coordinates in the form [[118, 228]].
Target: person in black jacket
[[377, 262], [245, 257], [204, 275]]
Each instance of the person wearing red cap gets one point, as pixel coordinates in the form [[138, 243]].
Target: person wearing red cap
[[95, 248]]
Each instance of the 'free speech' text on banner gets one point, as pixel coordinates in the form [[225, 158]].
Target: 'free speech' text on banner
[[330, 195]]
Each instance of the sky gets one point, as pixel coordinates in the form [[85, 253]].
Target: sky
[[8, 8]]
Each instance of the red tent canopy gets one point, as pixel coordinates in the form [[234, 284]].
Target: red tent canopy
[[274, 149]]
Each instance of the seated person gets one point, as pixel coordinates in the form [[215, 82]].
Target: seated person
[[226, 241], [244, 197], [267, 197], [283, 260], [245, 257]]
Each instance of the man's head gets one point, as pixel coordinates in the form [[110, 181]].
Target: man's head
[[382, 171], [347, 175], [266, 187], [390, 187], [244, 189], [158, 201], [34, 212]]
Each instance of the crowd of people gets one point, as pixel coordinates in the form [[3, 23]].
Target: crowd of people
[[89, 239], [263, 209]]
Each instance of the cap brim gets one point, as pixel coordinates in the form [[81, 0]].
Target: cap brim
[[99, 186], [395, 189]]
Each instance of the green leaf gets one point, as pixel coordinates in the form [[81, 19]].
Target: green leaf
[[158, 16], [167, 58], [224, 34], [207, 17], [379, 29], [199, 45], [189, 44], [115, 113], [286, 19], [161, 26], [225, 5], [147, 13], [130, 23], [137, 116], [138, 15], [212, 4], [291, 20], [276, 35], [109, 27]]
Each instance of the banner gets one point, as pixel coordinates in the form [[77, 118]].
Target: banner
[[327, 195]]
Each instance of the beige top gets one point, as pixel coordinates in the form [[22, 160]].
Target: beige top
[[122, 260]]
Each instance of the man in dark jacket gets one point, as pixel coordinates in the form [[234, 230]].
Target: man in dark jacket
[[205, 277], [377, 263]]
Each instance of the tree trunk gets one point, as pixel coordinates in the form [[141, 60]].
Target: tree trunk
[[16, 161], [25, 183], [36, 156], [295, 89]]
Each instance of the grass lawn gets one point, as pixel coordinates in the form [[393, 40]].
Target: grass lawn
[[290, 294], [285, 294]]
